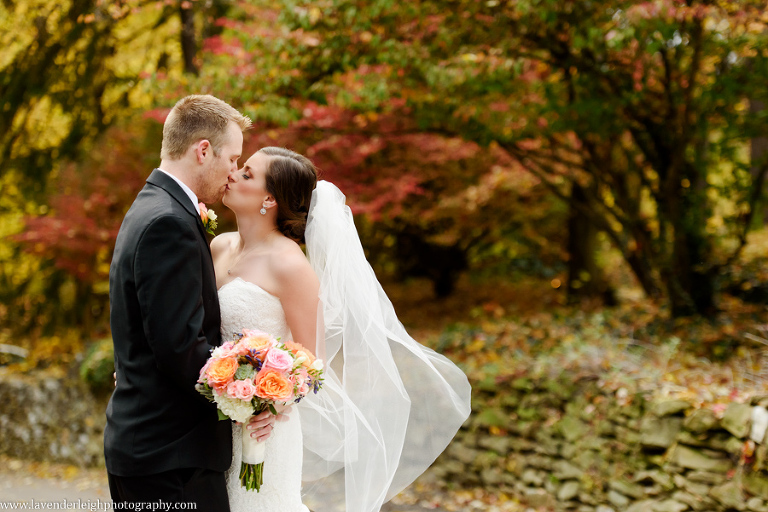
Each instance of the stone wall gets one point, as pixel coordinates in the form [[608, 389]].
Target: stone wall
[[561, 445], [50, 418]]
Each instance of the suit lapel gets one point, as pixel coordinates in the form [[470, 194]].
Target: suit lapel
[[162, 180]]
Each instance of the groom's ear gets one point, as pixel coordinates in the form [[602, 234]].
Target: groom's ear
[[202, 150]]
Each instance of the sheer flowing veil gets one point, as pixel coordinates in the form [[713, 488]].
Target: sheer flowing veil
[[389, 405]]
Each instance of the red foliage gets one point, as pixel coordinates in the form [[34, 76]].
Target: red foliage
[[380, 160], [157, 114], [219, 45], [88, 203]]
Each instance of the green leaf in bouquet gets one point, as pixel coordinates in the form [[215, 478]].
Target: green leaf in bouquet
[[222, 416], [205, 390]]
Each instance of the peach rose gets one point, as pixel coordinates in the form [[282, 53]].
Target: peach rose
[[302, 354], [272, 385], [254, 340], [221, 371]]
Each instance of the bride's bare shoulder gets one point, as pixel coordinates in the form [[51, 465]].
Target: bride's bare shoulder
[[289, 261], [223, 243]]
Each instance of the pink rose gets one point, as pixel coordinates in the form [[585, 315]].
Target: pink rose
[[300, 376], [204, 369], [203, 212], [278, 359], [251, 333], [241, 389], [225, 350], [301, 380]]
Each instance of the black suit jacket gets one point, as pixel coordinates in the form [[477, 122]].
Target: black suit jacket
[[165, 319]]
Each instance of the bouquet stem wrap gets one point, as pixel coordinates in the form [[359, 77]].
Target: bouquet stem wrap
[[252, 466]]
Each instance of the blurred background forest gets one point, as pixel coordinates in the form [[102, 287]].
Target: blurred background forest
[[525, 174]]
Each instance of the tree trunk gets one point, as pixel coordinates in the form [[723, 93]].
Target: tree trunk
[[188, 39], [585, 278], [690, 285], [691, 291]]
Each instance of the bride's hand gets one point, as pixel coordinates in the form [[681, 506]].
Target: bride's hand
[[282, 412], [261, 425]]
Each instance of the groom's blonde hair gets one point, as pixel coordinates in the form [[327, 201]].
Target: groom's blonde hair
[[195, 118]]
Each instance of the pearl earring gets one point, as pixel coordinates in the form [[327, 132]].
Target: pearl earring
[[263, 211]]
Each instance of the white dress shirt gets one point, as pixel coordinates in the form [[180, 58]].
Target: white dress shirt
[[192, 196]]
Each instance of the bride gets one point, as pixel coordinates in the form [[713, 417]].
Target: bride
[[388, 406]]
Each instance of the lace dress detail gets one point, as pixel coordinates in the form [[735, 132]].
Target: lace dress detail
[[245, 305]]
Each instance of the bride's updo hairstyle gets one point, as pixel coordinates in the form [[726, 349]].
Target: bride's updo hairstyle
[[290, 178]]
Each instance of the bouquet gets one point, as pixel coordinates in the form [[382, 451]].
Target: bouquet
[[252, 374]]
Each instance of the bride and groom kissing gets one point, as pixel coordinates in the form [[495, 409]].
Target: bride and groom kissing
[[388, 406]]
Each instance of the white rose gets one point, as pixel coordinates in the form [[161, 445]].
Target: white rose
[[212, 216], [317, 365]]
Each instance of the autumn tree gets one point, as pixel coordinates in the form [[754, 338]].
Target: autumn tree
[[639, 110], [70, 69], [439, 203], [77, 233]]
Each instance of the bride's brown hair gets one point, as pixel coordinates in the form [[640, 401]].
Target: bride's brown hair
[[290, 179]]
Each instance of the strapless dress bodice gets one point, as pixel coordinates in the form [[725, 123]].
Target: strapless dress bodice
[[245, 305]]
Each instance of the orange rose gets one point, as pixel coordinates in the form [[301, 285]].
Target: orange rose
[[272, 385], [299, 351], [221, 371]]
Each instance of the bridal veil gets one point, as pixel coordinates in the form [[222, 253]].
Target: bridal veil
[[389, 405]]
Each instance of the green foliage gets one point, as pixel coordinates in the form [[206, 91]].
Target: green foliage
[[67, 70], [636, 347], [642, 105], [98, 366], [338, 97]]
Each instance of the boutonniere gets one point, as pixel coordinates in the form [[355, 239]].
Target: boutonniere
[[208, 217]]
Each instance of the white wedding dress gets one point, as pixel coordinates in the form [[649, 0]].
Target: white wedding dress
[[245, 305]]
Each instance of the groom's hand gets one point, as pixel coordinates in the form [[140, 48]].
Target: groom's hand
[[261, 425]]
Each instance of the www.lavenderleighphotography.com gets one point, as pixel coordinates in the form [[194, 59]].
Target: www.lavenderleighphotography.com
[[366, 256]]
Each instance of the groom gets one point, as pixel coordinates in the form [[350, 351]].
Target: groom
[[163, 440]]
